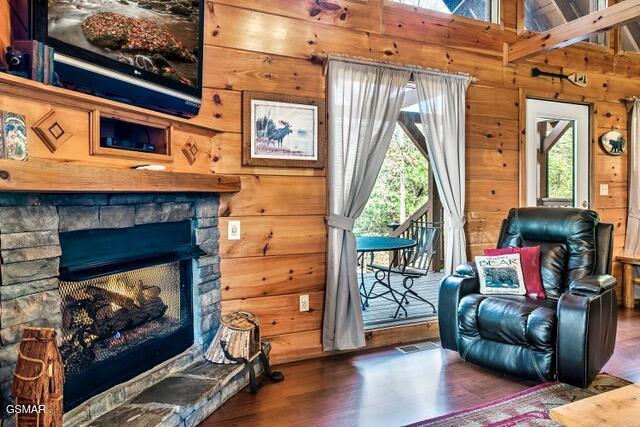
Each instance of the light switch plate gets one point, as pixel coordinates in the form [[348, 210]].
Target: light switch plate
[[233, 230], [604, 189], [304, 302]]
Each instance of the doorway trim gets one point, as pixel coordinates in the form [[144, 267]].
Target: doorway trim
[[523, 94]]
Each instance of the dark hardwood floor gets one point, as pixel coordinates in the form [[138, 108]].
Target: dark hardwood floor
[[387, 388]]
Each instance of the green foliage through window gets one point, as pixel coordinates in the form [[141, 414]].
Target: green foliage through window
[[560, 168], [404, 177]]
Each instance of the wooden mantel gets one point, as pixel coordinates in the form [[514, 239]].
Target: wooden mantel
[[58, 177]]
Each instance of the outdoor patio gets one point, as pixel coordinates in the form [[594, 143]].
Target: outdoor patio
[[380, 311]]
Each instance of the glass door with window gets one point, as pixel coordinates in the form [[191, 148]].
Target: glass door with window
[[557, 154]]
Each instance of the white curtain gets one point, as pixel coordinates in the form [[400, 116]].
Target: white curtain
[[632, 242], [364, 103], [442, 109]]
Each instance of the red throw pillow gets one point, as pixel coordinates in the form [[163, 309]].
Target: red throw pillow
[[530, 261]]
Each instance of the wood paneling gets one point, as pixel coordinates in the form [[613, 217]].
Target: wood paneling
[[340, 13], [492, 164], [221, 110], [491, 132], [274, 235], [445, 30], [276, 195], [279, 314], [296, 346], [5, 30], [617, 197], [273, 275], [242, 70], [491, 196]]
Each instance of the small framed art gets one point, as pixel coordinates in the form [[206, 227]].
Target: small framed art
[[283, 131]]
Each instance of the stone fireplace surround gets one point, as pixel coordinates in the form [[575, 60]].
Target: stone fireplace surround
[[30, 252]]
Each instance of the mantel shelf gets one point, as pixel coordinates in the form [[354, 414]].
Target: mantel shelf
[[58, 177]]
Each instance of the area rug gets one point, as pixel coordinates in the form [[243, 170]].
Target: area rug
[[526, 408]]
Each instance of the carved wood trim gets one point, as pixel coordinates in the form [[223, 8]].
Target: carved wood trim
[[52, 131]]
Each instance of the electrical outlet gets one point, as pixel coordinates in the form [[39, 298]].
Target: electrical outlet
[[233, 231], [304, 302], [604, 189]]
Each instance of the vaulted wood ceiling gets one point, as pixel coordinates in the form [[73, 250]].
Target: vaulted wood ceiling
[[542, 15]]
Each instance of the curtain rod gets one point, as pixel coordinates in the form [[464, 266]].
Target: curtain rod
[[407, 67]]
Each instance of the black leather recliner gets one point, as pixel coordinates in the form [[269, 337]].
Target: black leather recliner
[[568, 336]]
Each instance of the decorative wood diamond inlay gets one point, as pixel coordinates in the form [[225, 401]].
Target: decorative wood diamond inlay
[[51, 130], [190, 150]]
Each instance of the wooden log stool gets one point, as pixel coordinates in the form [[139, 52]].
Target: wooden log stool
[[629, 280]]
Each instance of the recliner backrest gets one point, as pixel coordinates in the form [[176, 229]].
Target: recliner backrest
[[568, 240]]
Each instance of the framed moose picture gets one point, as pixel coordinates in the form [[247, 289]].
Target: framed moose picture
[[283, 131]]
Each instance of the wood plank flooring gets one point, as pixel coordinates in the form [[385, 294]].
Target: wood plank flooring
[[380, 312], [387, 388]]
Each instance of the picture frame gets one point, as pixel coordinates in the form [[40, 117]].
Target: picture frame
[[283, 131], [613, 143]]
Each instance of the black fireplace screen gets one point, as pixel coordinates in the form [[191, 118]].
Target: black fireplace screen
[[126, 303], [107, 316]]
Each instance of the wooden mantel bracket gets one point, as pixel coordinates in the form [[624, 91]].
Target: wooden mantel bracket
[[58, 177], [571, 32]]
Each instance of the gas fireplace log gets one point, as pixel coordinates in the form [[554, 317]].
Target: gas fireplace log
[[151, 292], [112, 320], [112, 297]]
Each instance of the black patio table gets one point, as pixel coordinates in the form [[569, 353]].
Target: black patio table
[[372, 244]]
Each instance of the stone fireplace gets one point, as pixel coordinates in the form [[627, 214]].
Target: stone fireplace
[[130, 281]]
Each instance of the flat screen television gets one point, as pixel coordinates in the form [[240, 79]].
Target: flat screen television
[[142, 52]]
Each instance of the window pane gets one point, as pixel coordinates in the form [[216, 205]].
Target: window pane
[[543, 15], [476, 9], [630, 37], [556, 160]]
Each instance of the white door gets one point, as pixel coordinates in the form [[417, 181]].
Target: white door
[[557, 154]]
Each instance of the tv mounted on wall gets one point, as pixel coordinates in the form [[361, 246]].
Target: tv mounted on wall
[[141, 52]]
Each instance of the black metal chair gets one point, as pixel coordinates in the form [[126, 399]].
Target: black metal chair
[[412, 263]]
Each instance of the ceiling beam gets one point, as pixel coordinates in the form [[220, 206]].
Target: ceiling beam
[[567, 34]]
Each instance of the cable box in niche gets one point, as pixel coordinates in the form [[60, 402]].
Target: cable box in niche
[[127, 144]]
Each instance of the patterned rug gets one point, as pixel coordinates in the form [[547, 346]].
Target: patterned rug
[[527, 408]]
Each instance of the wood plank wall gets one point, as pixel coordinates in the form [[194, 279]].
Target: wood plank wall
[[269, 45]]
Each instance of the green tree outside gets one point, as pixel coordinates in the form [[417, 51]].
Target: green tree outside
[[560, 165], [404, 171]]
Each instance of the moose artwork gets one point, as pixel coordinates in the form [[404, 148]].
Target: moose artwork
[[282, 131]]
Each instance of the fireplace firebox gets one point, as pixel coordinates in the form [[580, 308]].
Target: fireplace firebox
[[126, 303]]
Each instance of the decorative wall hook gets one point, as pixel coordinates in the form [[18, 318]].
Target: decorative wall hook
[[578, 79]]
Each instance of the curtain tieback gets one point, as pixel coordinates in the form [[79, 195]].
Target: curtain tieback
[[342, 222], [635, 213], [457, 223]]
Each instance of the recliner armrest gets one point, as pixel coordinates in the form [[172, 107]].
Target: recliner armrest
[[452, 289], [593, 285], [468, 269]]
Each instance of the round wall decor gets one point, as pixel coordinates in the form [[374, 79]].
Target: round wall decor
[[613, 142]]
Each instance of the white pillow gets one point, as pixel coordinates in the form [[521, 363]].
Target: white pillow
[[500, 274]]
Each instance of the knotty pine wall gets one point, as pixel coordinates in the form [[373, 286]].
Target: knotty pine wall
[[270, 45]]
